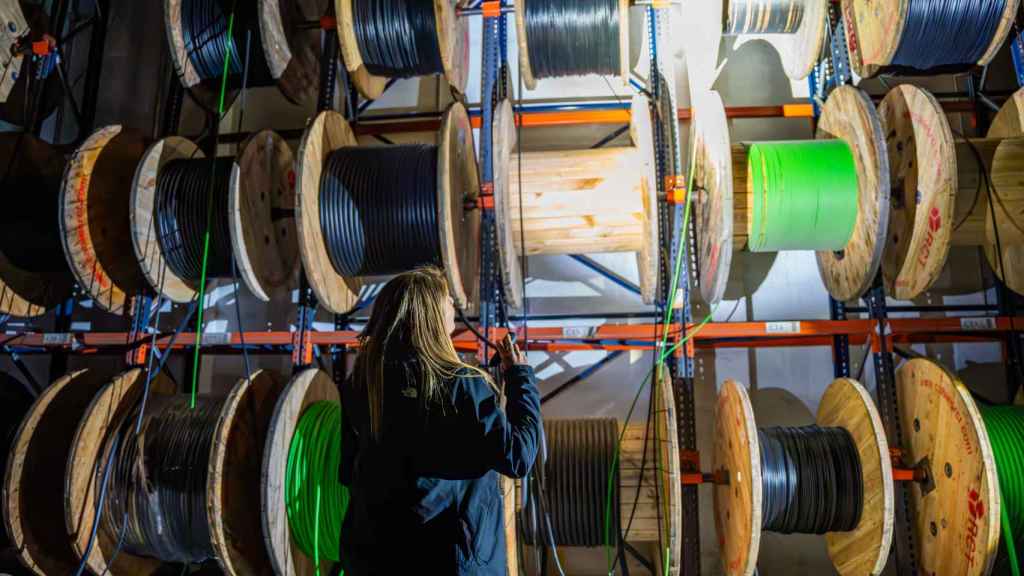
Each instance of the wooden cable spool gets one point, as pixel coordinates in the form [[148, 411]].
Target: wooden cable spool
[[874, 31], [459, 227], [263, 231], [939, 198], [576, 201], [291, 51], [800, 49], [34, 275], [724, 216], [452, 39], [14, 28], [846, 404], [956, 510]]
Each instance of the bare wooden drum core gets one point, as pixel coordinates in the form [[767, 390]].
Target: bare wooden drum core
[[712, 188], [738, 503], [33, 492], [956, 514], [88, 454]]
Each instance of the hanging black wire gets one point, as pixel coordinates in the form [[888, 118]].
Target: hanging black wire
[[182, 197], [159, 479], [811, 480], [204, 25], [947, 35], [572, 37], [397, 38], [378, 209]]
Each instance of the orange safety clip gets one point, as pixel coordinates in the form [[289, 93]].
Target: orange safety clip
[[491, 9], [675, 189], [302, 348]]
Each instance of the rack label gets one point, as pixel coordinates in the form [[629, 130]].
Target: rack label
[[216, 339], [782, 327], [578, 331], [57, 339], [978, 324]]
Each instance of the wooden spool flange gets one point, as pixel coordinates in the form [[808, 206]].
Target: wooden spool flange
[[800, 51], [33, 492], [956, 511], [31, 162], [452, 40], [576, 201], [87, 455], [712, 189], [1006, 181], [263, 234], [458, 186], [306, 388], [526, 70], [874, 31], [292, 53], [845, 404], [96, 221]]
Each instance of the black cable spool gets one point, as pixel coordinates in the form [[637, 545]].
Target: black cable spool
[[946, 36], [572, 37], [397, 38], [811, 480], [379, 209], [183, 197], [205, 25]]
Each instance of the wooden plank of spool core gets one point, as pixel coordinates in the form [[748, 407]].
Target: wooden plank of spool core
[[24, 293], [293, 54], [236, 459], [306, 388], [1008, 123], [956, 522], [503, 143], [865, 549], [96, 221], [744, 200], [877, 29], [458, 186], [800, 51], [849, 115], [370, 86], [712, 177], [143, 217], [327, 133], [15, 25], [263, 233], [738, 503], [33, 491], [88, 454], [923, 179]]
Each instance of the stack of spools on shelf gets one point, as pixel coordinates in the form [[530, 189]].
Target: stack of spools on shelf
[[795, 28], [576, 201], [263, 42], [583, 456], [386, 39], [369, 212], [131, 476], [34, 275], [834, 478], [559, 38], [941, 186], [925, 36], [830, 195]]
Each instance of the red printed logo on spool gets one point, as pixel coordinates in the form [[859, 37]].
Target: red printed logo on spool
[[935, 219], [976, 507], [291, 180]]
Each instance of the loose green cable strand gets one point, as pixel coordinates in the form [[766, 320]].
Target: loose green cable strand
[[1005, 426], [804, 195], [315, 500]]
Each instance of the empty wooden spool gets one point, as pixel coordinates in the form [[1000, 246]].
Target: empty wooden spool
[[874, 31], [458, 186], [939, 193], [956, 512], [452, 40], [722, 194], [800, 50], [576, 201], [261, 195], [846, 404], [34, 274]]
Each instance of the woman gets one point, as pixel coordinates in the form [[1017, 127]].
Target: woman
[[425, 438]]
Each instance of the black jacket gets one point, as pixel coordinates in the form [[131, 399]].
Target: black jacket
[[426, 498]]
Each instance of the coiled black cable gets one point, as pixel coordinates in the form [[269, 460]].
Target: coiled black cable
[[378, 209], [397, 38], [182, 198], [947, 35], [811, 480], [759, 17], [572, 37], [158, 484], [205, 24]]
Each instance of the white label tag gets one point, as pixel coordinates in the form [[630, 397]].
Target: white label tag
[[216, 338], [577, 331], [57, 339], [782, 327], [977, 323]]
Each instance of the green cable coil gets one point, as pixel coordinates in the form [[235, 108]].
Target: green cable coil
[[805, 195], [1005, 426], [315, 500]]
